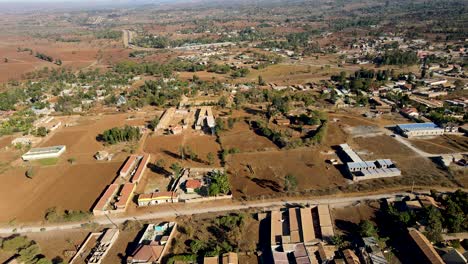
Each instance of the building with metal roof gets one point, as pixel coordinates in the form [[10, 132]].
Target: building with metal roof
[[44, 153], [419, 129]]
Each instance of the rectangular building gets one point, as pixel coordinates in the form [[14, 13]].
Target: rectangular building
[[419, 130], [44, 153], [128, 166]]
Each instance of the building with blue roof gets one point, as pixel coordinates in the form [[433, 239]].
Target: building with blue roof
[[371, 169], [419, 129]]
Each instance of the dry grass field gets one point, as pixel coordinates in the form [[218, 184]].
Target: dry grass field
[[269, 168], [442, 144], [167, 148], [244, 139]]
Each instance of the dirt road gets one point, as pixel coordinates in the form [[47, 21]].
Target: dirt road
[[174, 212]]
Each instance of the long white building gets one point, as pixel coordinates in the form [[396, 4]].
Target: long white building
[[44, 153]]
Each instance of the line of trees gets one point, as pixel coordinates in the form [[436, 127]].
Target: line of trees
[[116, 135]]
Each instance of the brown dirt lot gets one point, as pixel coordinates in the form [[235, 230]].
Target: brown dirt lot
[[442, 144], [74, 187], [167, 147], [354, 213], [244, 139], [271, 167]]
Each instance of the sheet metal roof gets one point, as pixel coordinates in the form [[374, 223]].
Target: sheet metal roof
[[418, 126]]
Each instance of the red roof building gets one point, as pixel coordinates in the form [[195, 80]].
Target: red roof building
[[128, 166], [125, 195], [193, 184], [141, 169]]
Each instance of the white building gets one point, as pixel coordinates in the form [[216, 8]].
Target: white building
[[44, 153], [419, 130]]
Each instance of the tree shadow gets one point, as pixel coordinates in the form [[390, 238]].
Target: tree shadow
[[172, 154], [252, 111], [264, 183], [159, 170]]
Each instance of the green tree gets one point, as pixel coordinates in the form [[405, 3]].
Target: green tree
[[41, 131], [71, 160], [153, 123], [290, 182], [161, 163], [16, 243], [260, 80], [338, 241], [434, 224], [28, 254], [211, 158], [367, 229], [176, 168], [45, 261], [223, 101], [196, 245]]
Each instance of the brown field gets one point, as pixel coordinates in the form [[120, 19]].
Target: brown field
[[442, 144], [87, 53], [74, 187], [244, 139], [167, 147], [353, 214], [270, 168], [81, 139]]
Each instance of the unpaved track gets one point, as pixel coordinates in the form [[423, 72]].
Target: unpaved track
[[174, 212]]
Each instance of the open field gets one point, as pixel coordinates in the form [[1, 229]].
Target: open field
[[80, 138], [270, 167], [244, 139], [347, 218], [73, 187], [442, 144], [167, 147]]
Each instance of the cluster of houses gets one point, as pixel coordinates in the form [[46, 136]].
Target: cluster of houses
[[150, 248], [301, 235], [153, 244], [176, 120], [118, 195]]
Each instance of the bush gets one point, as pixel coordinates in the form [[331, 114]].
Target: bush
[[16, 243]]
